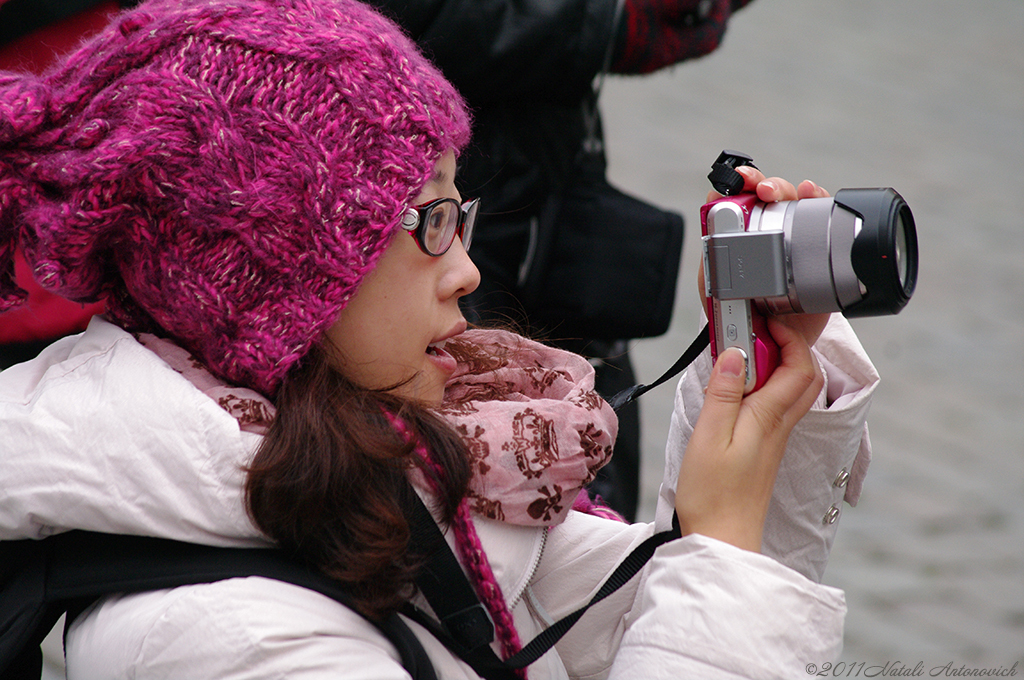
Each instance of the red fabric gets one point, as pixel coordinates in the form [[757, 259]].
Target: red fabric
[[47, 316], [659, 33], [36, 51], [44, 316]]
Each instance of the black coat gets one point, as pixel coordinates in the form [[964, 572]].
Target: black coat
[[525, 67]]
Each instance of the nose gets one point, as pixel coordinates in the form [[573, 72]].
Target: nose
[[462, 276]]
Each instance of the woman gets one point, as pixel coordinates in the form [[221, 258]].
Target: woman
[[264, 193]]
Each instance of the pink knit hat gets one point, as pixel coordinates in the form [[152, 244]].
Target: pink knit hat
[[223, 172]]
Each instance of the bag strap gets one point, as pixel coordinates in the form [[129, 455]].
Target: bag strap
[[629, 394], [74, 569], [626, 570], [445, 586], [443, 565], [592, 143]]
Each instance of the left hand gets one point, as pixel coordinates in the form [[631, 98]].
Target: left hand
[[732, 459], [772, 190]]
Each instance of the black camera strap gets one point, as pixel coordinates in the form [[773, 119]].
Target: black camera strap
[[692, 352], [726, 181]]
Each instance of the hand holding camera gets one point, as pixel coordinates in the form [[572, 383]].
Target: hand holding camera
[[775, 252], [783, 250]]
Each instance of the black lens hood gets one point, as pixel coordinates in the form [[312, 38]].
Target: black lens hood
[[874, 249]]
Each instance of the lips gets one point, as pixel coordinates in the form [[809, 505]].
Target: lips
[[441, 358], [439, 355]]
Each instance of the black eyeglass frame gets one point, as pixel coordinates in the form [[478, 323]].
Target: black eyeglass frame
[[416, 219]]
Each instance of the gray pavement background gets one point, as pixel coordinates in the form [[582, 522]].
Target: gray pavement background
[[926, 96]]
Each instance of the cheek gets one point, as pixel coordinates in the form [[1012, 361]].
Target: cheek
[[368, 349], [379, 336], [382, 334]]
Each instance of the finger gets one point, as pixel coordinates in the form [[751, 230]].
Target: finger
[[776, 189], [798, 371], [701, 289], [808, 325], [808, 189], [751, 177], [791, 390]]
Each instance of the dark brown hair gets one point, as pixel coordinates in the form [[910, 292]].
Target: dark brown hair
[[329, 482]]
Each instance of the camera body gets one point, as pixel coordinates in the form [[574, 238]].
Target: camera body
[[855, 253], [734, 320]]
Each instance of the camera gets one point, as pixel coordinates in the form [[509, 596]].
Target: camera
[[854, 253]]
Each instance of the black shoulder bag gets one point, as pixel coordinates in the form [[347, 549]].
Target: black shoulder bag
[[605, 263]]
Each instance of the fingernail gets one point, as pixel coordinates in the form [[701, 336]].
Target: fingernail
[[733, 362], [773, 185]]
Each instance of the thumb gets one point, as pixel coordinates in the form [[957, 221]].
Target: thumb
[[725, 392]]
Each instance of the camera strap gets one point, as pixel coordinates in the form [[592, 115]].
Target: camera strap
[[692, 352], [726, 181]]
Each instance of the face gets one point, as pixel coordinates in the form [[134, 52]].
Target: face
[[393, 329]]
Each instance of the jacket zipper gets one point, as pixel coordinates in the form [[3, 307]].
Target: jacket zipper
[[514, 600]]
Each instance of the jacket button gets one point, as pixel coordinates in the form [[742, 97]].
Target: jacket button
[[842, 478], [831, 516]]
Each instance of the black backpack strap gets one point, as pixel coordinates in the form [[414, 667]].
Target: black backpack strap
[[442, 581], [626, 570], [463, 624], [71, 570], [25, 616]]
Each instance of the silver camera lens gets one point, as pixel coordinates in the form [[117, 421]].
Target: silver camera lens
[[855, 253]]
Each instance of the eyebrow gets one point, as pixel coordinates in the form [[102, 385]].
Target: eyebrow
[[439, 176]]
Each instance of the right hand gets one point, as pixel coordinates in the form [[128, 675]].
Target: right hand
[[727, 475]]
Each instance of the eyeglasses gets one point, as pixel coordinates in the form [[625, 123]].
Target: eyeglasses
[[435, 225]]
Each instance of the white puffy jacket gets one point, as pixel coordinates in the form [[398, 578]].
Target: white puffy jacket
[[98, 433]]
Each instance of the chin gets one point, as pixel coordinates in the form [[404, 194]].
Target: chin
[[426, 391], [432, 396]]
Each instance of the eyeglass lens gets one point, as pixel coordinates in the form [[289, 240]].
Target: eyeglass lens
[[469, 221], [439, 228]]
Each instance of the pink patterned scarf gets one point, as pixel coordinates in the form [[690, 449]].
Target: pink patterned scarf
[[536, 431]]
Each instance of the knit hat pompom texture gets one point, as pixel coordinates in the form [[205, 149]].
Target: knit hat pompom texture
[[225, 172]]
